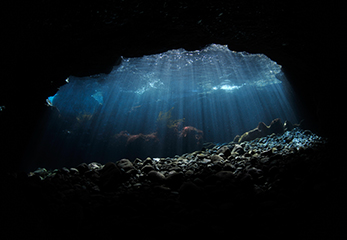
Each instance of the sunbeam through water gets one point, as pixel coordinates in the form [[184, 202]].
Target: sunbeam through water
[[161, 105]]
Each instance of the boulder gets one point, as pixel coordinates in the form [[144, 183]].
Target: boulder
[[262, 130], [238, 149], [276, 127]]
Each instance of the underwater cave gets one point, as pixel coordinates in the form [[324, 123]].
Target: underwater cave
[[162, 105], [207, 118]]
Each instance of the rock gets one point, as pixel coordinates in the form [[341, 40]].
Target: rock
[[288, 126], [156, 176], [74, 171], [82, 168], [42, 172], [205, 161], [125, 165], [147, 168], [95, 166], [201, 155], [138, 162], [216, 158], [262, 130], [236, 138], [225, 150], [64, 170], [276, 127], [148, 161], [238, 149]]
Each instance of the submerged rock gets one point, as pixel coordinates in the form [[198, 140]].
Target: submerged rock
[[225, 150], [147, 168], [125, 164], [156, 176], [262, 130]]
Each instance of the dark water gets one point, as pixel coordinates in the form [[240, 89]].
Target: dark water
[[161, 105]]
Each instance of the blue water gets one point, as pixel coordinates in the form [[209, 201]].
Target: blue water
[[210, 95]]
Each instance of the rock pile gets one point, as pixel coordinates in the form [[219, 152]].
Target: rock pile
[[253, 178], [257, 163]]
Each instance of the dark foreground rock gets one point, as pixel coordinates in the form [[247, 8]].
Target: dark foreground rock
[[278, 185]]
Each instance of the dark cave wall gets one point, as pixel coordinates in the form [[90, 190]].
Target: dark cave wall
[[46, 42]]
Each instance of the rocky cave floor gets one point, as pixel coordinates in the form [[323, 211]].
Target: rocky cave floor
[[275, 186]]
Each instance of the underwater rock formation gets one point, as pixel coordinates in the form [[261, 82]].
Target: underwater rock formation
[[261, 130]]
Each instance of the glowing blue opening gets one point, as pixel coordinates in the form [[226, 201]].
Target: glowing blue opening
[[167, 103]]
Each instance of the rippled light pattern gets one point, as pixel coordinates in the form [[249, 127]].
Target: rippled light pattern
[[219, 92]]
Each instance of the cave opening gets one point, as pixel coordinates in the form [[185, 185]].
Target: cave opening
[[162, 105]]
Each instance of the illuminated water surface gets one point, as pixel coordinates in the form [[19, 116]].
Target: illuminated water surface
[[164, 104]]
